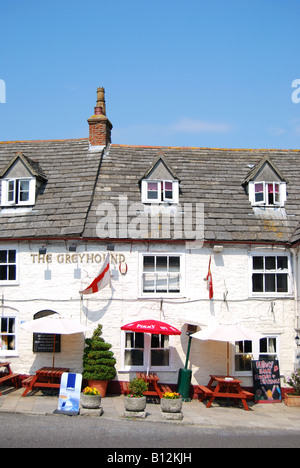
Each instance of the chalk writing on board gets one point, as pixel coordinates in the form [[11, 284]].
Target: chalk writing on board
[[266, 380]]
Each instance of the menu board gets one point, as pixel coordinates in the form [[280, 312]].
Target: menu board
[[43, 343], [266, 381]]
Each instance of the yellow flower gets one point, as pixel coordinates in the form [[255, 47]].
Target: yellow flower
[[91, 391]]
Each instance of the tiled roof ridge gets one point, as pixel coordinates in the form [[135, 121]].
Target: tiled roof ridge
[[116, 145], [42, 141]]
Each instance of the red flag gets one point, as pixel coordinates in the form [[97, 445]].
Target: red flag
[[210, 282], [102, 280]]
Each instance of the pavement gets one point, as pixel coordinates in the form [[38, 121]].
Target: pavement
[[221, 414]]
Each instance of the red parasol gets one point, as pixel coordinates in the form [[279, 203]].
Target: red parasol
[[151, 326]]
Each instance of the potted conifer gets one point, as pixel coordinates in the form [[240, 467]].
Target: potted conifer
[[98, 362]]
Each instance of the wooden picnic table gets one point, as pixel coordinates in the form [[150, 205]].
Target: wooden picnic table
[[226, 387], [8, 376], [154, 389], [46, 377]]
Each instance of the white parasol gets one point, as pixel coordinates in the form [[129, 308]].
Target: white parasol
[[54, 325], [227, 333]]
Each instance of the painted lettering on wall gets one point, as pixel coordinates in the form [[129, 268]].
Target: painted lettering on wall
[[76, 258]]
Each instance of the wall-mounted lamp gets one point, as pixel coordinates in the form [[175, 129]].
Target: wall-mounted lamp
[[218, 248], [42, 251], [72, 248], [110, 247]]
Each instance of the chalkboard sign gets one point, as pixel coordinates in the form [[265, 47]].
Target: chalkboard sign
[[266, 381], [43, 343]]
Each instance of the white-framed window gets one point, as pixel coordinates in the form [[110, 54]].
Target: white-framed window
[[267, 193], [247, 351], [8, 266], [161, 274], [146, 351], [18, 192], [270, 274], [8, 336], [160, 191], [134, 350]]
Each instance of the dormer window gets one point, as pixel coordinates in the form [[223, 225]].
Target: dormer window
[[160, 183], [266, 185], [160, 191], [19, 192], [267, 193], [20, 182]]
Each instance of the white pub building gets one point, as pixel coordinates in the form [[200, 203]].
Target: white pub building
[[164, 215]]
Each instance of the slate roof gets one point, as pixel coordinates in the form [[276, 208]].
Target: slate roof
[[64, 200], [67, 204], [214, 177]]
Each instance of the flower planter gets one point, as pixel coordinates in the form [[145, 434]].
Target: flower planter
[[171, 406], [292, 400], [90, 401], [135, 404]]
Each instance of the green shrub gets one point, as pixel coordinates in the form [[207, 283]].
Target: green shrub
[[98, 361]]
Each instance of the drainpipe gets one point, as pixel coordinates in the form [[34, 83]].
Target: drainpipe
[[295, 254]]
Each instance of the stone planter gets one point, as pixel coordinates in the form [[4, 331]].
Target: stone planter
[[171, 409], [170, 406], [90, 401], [135, 407], [292, 400]]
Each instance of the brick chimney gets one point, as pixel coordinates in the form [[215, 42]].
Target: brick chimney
[[99, 125]]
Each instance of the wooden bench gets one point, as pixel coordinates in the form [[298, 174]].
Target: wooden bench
[[205, 392], [9, 377], [248, 394], [165, 389], [124, 388]]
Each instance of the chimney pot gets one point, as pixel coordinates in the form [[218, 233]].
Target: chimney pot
[[99, 125]]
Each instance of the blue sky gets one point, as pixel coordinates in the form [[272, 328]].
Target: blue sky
[[214, 73]]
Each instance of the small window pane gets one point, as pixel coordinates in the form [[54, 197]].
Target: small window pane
[[258, 282], [12, 272], [243, 363], [139, 340], [174, 283], [162, 284], [24, 190], [168, 190], [282, 263], [3, 273], [11, 191], [149, 265], [148, 283], [263, 345], [270, 263], [270, 283], [258, 263], [282, 283], [160, 357], [161, 264], [174, 264], [134, 357], [152, 190], [155, 341], [3, 256], [11, 256]]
